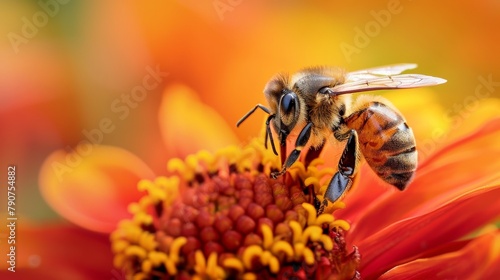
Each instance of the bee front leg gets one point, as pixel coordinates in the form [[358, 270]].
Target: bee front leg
[[301, 141], [347, 169]]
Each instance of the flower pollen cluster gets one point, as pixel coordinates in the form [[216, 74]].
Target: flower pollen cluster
[[221, 216]]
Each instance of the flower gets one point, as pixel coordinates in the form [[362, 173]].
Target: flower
[[219, 214], [222, 216], [81, 77]]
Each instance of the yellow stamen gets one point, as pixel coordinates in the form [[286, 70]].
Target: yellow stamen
[[157, 258], [267, 235], [312, 233], [249, 276], [146, 266], [297, 231], [297, 171], [212, 264], [299, 250], [135, 251], [312, 171], [327, 242], [147, 241], [119, 260], [134, 208], [265, 257], [274, 264], [324, 219], [249, 253], [143, 218], [192, 162], [213, 270], [308, 256], [145, 202], [311, 213], [234, 263], [119, 246], [176, 247], [144, 185], [170, 265], [159, 189], [200, 262], [245, 161], [207, 158], [171, 189], [270, 160], [227, 153], [130, 231], [177, 165], [282, 246], [341, 224], [317, 161], [312, 181], [140, 276]]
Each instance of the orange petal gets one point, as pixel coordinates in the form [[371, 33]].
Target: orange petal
[[493, 272], [59, 252], [471, 262], [187, 125], [92, 185], [459, 123], [488, 129], [466, 120], [406, 239], [445, 176]]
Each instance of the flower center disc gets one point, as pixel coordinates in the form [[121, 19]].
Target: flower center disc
[[222, 216]]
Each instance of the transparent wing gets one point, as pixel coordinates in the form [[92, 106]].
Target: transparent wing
[[385, 77], [383, 70]]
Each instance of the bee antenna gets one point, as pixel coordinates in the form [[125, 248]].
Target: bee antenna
[[262, 107]]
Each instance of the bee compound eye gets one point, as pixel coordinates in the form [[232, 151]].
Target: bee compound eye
[[288, 103]]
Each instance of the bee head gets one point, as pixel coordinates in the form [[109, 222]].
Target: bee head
[[286, 103]]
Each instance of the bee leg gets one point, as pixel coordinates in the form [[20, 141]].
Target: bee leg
[[343, 178], [301, 141], [269, 135]]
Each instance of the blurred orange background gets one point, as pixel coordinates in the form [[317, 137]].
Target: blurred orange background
[[61, 73]]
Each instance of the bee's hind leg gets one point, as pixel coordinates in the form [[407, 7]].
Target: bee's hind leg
[[342, 180], [301, 141]]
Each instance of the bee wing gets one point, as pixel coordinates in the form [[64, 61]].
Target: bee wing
[[386, 77], [383, 70]]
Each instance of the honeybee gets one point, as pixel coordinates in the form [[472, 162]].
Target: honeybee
[[315, 105]]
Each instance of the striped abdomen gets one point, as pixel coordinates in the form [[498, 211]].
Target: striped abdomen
[[386, 142]]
